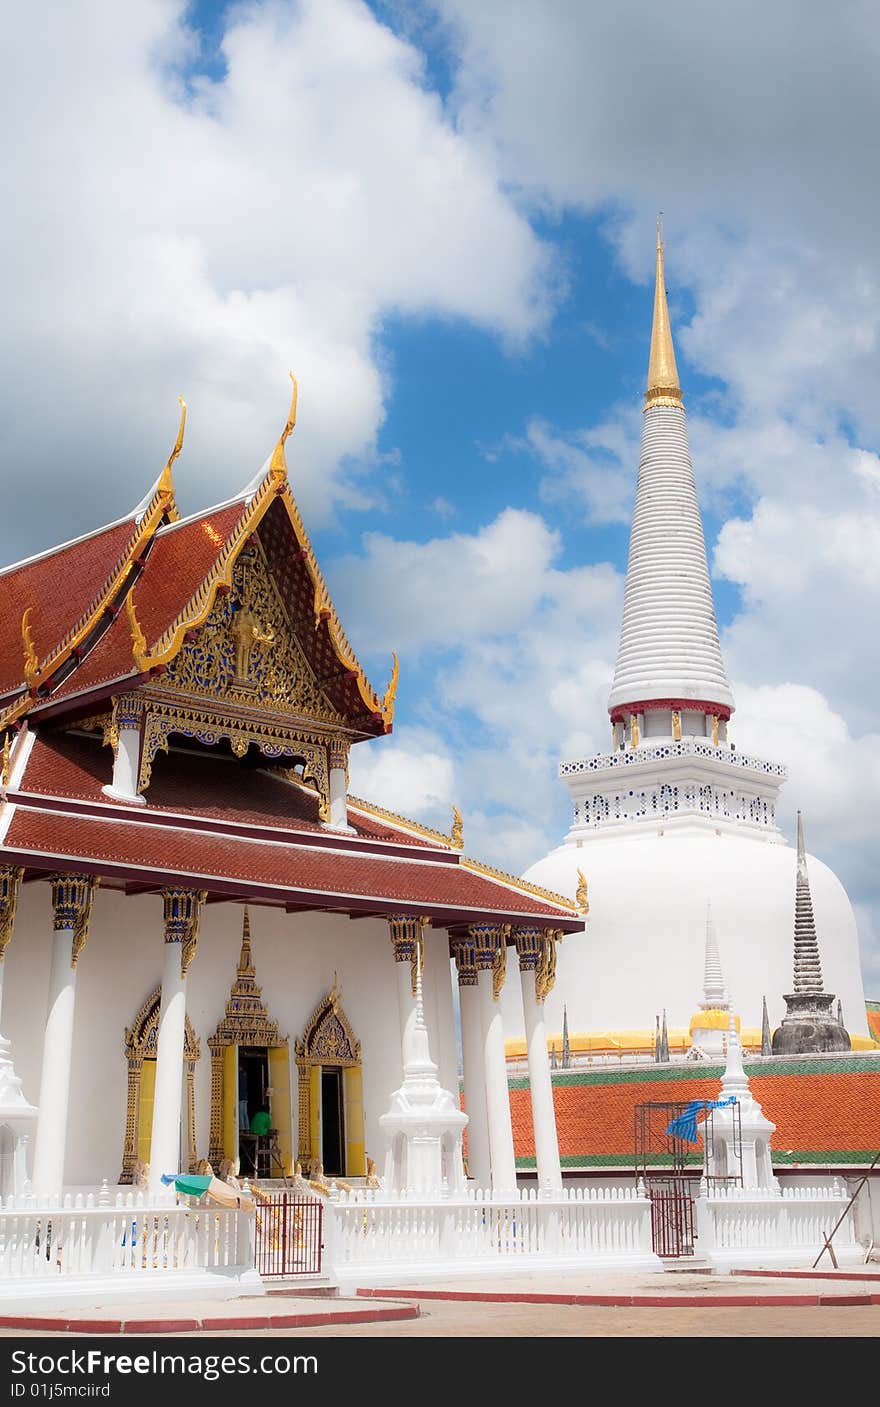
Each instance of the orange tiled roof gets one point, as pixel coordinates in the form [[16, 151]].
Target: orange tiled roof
[[825, 1110], [873, 1009]]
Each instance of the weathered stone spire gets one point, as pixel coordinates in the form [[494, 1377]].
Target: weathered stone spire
[[566, 1048], [664, 1040], [807, 967], [663, 387], [809, 1026]]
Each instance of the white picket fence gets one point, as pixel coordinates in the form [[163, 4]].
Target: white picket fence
[[132, 1242], [737, 1227], [374, 1238]]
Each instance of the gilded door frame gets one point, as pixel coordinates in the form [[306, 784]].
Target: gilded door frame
[[246, 1022], [139, 1044], [329, 1041]]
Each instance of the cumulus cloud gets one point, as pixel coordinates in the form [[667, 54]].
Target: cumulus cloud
[[168, 231]]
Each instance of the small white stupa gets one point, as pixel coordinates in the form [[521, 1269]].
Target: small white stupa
[[709, 1024], [424, 1125], [752, 1158]]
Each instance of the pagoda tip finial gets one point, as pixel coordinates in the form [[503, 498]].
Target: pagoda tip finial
[[663, 386], [278, 467]]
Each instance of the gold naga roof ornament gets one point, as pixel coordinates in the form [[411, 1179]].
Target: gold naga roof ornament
[[457, 833], [580, 895], [31, 659], [5, 756], [391, 692], [663, 385], [138, 639], [165, 485], [278, 464]]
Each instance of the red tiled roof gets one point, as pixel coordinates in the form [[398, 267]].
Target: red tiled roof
[[824, 1110], [59, 587], [180, 559], [160, 853], [68, 765]]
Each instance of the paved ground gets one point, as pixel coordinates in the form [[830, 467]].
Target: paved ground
[[693, 1309]]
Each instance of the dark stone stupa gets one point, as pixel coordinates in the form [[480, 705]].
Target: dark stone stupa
[[809, 1026]]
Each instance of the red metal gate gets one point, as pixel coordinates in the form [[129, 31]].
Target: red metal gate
[[289, 1235], [672, 1217]]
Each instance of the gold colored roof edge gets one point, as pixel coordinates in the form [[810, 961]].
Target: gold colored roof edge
[[275, 484], [524, 886], [402, 822]]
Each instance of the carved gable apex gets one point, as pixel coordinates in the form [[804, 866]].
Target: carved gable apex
[[246, 652]]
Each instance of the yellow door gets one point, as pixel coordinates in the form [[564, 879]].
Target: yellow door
[[355, 1157], [230, 1102], [279, 1102], [145, 1110], [315, 1112]]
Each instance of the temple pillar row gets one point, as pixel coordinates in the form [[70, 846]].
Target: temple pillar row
[[183, 909], [72, 900]]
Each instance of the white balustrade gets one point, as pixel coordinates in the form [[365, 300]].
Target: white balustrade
[[480, 1231], [739, 1226], [133, 1236]]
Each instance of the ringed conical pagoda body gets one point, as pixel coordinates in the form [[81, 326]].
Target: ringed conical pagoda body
[[674, 817]]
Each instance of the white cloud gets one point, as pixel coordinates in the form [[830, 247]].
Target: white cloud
[[411, 773], [410, 595], [158, 239]]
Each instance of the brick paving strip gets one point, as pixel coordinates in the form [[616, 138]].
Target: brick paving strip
[[241, 1314]]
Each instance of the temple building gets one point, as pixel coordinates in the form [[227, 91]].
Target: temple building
[[197, 922], [674, 820]]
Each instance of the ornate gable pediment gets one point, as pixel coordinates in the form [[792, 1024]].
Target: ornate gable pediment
[[246, 653], [142, 1037], [328, 1038]]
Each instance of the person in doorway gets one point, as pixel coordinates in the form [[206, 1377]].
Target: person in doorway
[[261, 1122]]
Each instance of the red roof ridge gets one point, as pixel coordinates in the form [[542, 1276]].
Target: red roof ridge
[[523, 886]]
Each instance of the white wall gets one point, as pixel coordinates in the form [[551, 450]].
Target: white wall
[[295, 957]]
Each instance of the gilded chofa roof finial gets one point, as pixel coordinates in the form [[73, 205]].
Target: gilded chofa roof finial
[[663, 387], [278, 466], [165, 485]]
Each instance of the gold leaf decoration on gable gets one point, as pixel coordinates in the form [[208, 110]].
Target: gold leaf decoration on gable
[[246, 651]]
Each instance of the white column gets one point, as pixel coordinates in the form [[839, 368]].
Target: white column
[[489, 942], [406, 934], [182, 913], [337, 757], [127, 758], [72, 897], [439, 1014], [473, 1059], [530, 947]]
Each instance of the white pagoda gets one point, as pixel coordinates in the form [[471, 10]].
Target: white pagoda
[[674, 816]]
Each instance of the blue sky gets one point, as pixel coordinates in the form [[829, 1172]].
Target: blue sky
[[441, 215]]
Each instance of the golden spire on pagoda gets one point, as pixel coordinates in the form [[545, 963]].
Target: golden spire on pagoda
[[663, 387], [278, 466]]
